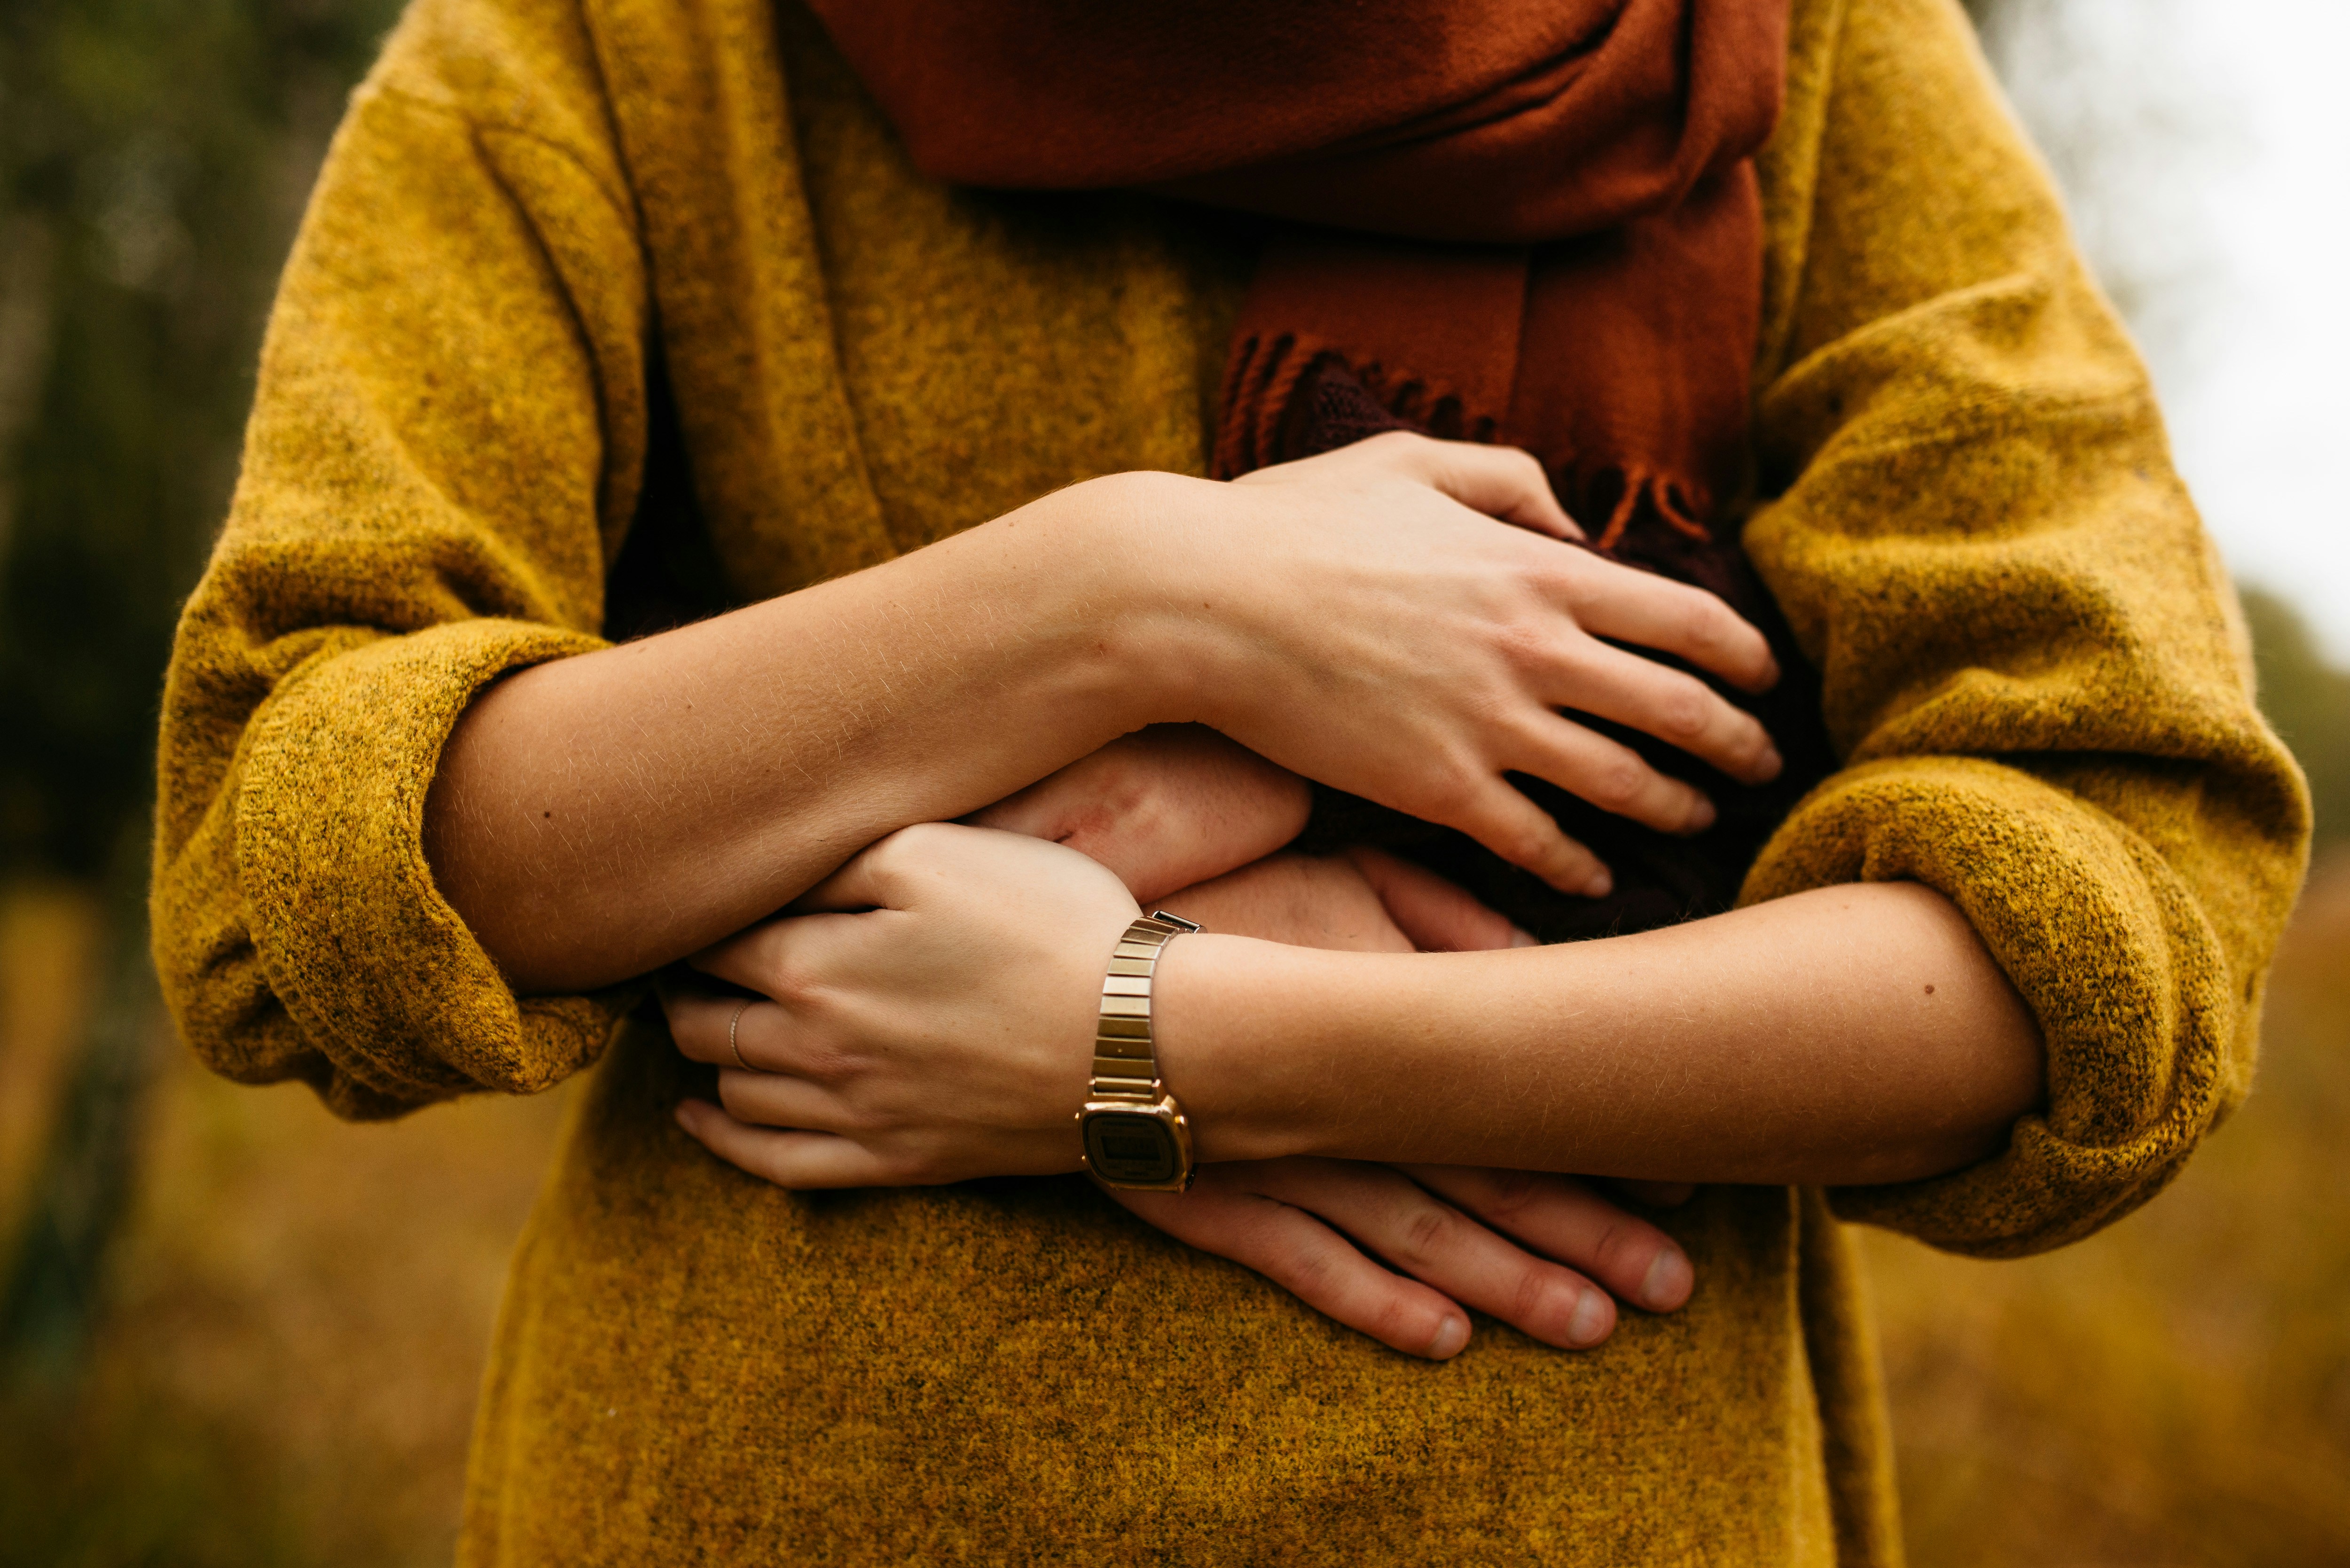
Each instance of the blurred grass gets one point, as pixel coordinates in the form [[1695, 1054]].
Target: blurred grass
[[298, 1315], [2177, 1388], [299, 1312]]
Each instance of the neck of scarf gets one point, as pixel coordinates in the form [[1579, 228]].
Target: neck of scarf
[[1527, 221]]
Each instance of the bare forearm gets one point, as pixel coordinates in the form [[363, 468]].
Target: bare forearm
[[1362, 618], [1851, 1034], [597, 817]]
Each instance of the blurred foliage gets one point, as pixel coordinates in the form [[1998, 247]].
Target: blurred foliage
[[298, 1313], [154, 158], [2308, 701], [2175, 1389]]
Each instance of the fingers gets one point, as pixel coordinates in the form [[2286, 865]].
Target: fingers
[[878, 877], [1668, 704], [1566, 1220], [734, 1033], [1526, 835], [1610, 599], [708, 1026], [1437, 915], [1439, 1244], [1221, 1214], [763, 1099], [1501, 481], [1301, 900], [781, 958], [789, 1159], [1165, 808], [1610, 775]]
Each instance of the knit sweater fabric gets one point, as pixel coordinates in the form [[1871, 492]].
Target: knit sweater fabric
[[598, 292]]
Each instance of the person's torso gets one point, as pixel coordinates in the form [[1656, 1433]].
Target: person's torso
[[694, 1365]]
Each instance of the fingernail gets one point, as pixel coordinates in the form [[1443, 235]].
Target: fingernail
[[1451, 1335], [1701, 815], [1519, 939], [1768, 767], [1668, 1283], [1601, 884], [1589, 1325]]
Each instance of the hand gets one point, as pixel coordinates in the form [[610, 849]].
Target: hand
[[844, 1124], [1367, 624], [1304, 1224], [1164, 808], [1185, 816], [942, 1033]]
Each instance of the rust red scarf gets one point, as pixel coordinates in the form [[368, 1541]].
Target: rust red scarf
[[1531, 221], [1585, 166]]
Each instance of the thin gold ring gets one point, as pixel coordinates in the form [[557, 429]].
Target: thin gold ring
[[732, 1044]]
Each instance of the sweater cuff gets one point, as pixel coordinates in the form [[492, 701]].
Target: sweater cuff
[[2134, 998], [369, 960]]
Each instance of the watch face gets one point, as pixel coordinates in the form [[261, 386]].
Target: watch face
[[1131, 1150]]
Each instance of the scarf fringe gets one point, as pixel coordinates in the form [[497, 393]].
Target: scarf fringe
[[1262, 407], [1678, 502]]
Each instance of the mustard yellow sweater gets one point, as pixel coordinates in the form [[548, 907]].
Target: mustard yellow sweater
[[583, 273]]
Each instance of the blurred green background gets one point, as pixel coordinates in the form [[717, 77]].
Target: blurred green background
[[234, 1332]]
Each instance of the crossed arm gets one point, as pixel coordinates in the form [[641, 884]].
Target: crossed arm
[[1362, 618]]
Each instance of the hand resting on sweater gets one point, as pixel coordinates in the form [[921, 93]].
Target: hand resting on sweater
[[1187, 817]]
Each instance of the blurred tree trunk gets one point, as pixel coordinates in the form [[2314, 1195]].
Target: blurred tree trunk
[[81, 1189], [154, 157]]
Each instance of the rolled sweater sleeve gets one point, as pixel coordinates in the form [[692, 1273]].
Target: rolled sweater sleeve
[[2031, 661], [445, 447]]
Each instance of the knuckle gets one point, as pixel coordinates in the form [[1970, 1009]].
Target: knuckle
[[784, 978], [826, 1063], [1617, 782], [1309, 1273], [1507, 1195], [921, 1163], [1526, 644], [857, 1115], [1555, 577], [1398, 445], [1454, 793], [885, 858], [1552, 852], [1685, 710], [921, 837], [1531, 1294], [1395, 1318], [1528, 466], [1619, 1244], [1432, 1231], [1523, 844], [1710, 624]]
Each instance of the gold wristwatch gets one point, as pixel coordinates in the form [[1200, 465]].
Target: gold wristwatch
[[1134, 1131]]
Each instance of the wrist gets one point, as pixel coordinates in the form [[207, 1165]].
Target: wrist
[[1238, 1045], [1136, 550]]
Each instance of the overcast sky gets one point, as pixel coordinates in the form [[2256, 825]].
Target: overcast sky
[[2208, 146]]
